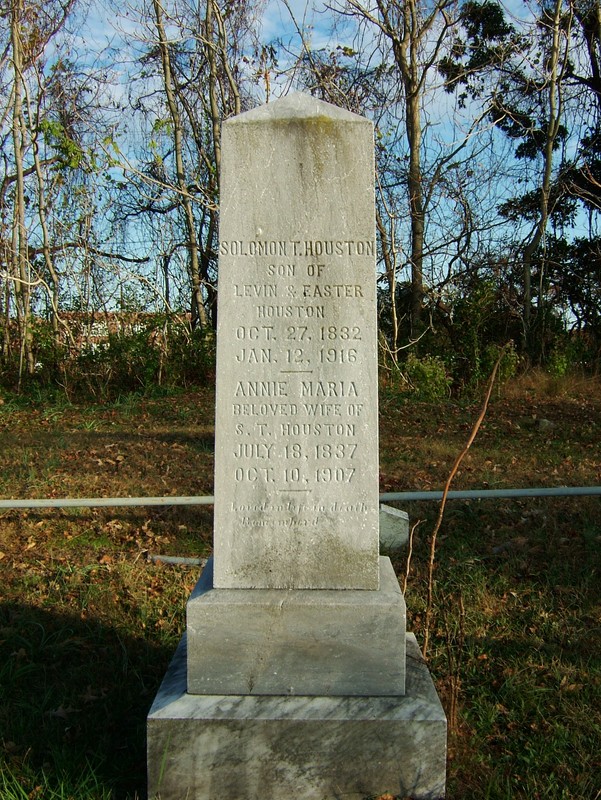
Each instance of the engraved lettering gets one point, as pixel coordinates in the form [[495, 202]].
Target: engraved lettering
[[322, 409], [281, 270], [296, 408], [315, 247], [297, 333], [328, 389], [330, 247], [255, 290], [261, 389], [317, 428], [238, 247], [291, 312], [255, 356], [253, 450], [264, 409], [349, 508], [344, 333], [286, 522], [254, 332], [338, 451], [333, 355], [332, 290], [334, 474], [254, 474]]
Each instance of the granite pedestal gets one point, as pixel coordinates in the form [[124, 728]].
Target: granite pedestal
[[297, 641], [244, 747]]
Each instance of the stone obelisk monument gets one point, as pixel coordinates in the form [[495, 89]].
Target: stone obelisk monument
[[296, 677]]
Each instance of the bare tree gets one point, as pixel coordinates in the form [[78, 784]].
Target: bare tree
[[194, 56], [415, 32]]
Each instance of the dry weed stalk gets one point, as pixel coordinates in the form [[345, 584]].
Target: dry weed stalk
[[455, 653], [443, 502], [410, 553]]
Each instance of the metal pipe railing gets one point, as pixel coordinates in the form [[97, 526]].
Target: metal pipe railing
[[486, 494], [110, 502], [207, 500]]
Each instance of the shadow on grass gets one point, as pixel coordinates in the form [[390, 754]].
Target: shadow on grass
[[74, 695]]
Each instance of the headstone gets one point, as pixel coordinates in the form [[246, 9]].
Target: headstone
[[293, 678], [296, 477], [394, 529]]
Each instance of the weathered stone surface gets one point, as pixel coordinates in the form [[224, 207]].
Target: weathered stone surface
[[297, 641], [296, 475], [297, 653], [274, 748], [394, 529]]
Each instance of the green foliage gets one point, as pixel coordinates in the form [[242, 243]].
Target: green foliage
[[30, 783], [472, 316], [562, 211], [575, 275], [510, 360], [191, 356], [139, 358], [558, 363], [48, 356], [428, 377], [478, 327], [481, 44], [123, 364], [475, 320], [570, 355], [70, 153], [162, 353]]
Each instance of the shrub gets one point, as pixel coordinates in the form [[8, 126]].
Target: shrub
[[428, 377], [159, 352], [163, 353]]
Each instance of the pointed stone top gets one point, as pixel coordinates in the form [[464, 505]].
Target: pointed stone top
[[297, 105]]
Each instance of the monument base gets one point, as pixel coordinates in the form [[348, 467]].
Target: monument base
[[297, 641], [249, 747]]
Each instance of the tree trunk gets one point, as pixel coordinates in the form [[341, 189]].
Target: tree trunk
[[20, 260], [390, 265], [199, 314], [416, 206], [532, 347], [405, 29]]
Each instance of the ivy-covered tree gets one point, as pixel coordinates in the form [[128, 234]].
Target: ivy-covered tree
[[35, 144]]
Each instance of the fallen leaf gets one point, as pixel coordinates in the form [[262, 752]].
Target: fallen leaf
[[62, 713], [569, 687], [90, 696]]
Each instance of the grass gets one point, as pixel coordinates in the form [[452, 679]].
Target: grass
[[88, 622]]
